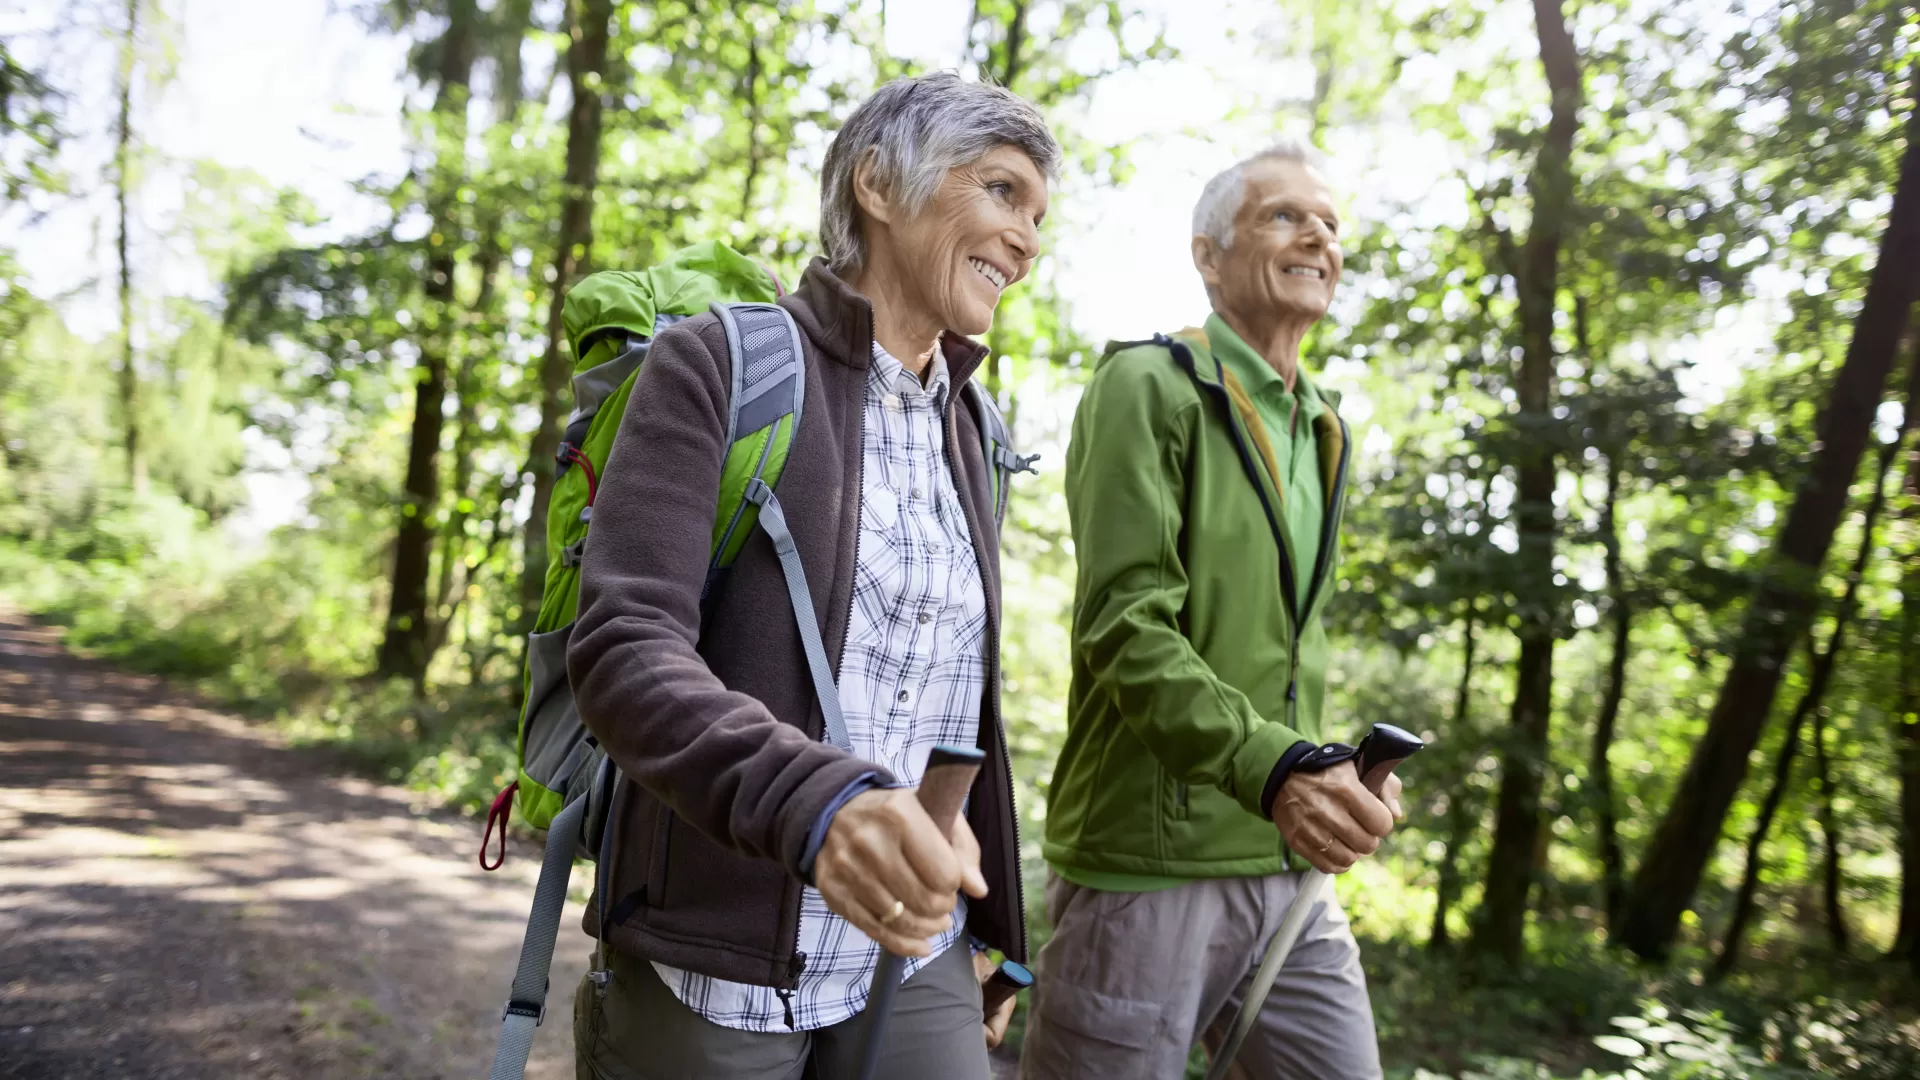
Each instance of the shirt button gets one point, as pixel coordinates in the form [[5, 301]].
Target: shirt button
[[926, 617], [904, 696], [892, 402], [915, 493]]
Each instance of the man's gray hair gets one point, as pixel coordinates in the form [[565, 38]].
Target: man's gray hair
[[917, 129], [1220, 200]]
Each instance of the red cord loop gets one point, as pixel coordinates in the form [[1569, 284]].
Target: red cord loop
[[501, 812], [575, 455]]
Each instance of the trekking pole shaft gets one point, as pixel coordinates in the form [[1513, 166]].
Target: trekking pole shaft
[[1311, 885], [1384, 748], [943, 792]]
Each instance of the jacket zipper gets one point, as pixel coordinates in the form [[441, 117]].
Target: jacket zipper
[[1328, 527], [794, 968]]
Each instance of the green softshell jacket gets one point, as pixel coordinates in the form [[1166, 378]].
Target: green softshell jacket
[[1192, 671]]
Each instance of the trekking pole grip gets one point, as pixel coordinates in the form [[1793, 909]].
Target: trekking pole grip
[[944, 785], [1382, 751], [1006, 981], [943, 791]]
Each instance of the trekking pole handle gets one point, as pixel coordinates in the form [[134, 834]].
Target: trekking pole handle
[[1006, 981], [1381, 751], [945, 783], [943, 792]]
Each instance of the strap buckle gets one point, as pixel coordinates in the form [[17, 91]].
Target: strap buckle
[[1016, 462], [523, 1007]]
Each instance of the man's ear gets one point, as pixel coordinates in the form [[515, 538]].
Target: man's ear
[[1206, 259], [874, 201]]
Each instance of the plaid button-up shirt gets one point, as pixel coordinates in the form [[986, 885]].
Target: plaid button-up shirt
[[912, 677]]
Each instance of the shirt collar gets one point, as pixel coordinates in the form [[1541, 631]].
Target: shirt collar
[[895, 374], [1253, 371]]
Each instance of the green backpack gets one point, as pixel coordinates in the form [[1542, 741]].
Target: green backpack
[[566, 784]]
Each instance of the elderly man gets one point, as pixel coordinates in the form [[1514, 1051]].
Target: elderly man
[[761, 869], [1205, 479]]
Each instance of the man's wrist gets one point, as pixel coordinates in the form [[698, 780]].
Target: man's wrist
[[1281, 771]]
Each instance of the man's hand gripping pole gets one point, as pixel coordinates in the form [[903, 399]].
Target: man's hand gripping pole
[[1378, 754]]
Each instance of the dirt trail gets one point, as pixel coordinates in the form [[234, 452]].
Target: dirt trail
[[180, 896]]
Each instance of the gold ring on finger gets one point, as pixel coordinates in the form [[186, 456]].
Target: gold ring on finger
[[898, 909], [1326, 847]]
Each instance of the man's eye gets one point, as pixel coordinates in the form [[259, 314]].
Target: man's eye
[[1286, 216], [1000, 188]]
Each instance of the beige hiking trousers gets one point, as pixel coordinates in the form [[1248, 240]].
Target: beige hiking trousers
[[1130, 981]]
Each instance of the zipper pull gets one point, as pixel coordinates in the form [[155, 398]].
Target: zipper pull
[[786, 1007], [1293, 687]]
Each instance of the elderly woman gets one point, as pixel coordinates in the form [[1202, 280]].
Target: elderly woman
[[761, 870]]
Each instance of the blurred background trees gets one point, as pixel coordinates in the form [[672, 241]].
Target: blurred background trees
[[1626, 341]]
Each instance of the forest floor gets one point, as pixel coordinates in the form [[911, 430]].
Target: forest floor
[[182, 895]]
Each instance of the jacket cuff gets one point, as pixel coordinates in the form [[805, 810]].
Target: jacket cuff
[[817, 836], [1254, 762], [1278, 778], [815, 794]]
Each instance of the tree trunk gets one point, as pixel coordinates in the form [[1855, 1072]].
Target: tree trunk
[[1014, 63], [405, 650], [1783, 603], [753, 136], [1819, 676], [588, 28], [1599, 767], [1830, 831], [129, 375], [1500, 931], [466, 422], [1906, 723], [1459, 816]]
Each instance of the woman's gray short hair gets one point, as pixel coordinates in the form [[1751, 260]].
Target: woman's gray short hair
[[916, 129], [1220, 200]]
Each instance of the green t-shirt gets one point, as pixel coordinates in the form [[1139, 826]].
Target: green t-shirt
[[1288, 418]]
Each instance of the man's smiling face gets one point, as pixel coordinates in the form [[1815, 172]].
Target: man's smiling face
[[1285, 259]]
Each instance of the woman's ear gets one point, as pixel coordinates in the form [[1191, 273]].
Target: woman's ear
[[874, 201]]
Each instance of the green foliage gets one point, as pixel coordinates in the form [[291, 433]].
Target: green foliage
[[1731, 173]]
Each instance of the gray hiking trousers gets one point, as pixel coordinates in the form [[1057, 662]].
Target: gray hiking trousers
[[1130, 981], [639, 1031]]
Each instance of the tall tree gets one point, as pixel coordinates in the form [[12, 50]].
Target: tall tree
[[1906, 723], [405, 647], [1460, 812], [1500, 931], [1820, 676], [1599, 765], [129, 374], [1783, 602], [589, 24]]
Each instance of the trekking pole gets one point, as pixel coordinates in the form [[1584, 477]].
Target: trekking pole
[[1383, 748], [1006, 981], [943, 791]]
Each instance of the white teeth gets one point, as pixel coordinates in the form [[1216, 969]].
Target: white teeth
[[1307, 271], [999, 281]]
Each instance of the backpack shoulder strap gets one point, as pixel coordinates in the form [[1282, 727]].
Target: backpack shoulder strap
[[997, 445], [763, 411], [769, 385]]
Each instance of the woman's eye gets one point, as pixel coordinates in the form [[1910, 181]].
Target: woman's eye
[[1000, 188]]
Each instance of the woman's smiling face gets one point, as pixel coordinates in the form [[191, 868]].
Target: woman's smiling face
[[978, 234]]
